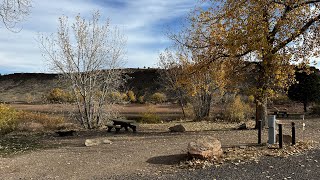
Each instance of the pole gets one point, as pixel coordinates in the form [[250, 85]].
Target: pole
[[293, 133], [259, 131], [280, 136]]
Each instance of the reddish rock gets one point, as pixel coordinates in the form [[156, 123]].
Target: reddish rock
[[205, 148]]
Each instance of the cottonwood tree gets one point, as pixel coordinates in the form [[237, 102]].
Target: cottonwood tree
[[200, 87], [276, 33], [14, 11], [89, 55]]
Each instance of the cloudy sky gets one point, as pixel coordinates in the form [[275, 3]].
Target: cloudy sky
[[144, 23]]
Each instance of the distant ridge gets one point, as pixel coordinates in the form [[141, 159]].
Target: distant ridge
[[18, 86]]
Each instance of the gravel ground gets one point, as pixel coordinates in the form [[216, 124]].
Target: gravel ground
[[153, 153], [306, 166]]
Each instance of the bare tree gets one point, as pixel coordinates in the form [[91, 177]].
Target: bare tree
[[170, 73], [14, 11], [91, 59]]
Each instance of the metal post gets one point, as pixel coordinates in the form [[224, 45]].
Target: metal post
[[293, 133], [271, 130], [280, 136], [259, 131]]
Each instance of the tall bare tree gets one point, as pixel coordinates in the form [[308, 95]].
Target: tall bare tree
[[14, 11], [91, 59], [171, 72], [276, 32]]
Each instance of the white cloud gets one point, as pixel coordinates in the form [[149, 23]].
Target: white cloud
[[142, 21]]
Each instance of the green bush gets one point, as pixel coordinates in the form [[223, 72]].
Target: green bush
[[8, 119], [158, 98], [237, 110], [58, 95]]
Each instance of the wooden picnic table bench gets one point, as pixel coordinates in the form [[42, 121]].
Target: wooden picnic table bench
[[122, 123], [281, 113]]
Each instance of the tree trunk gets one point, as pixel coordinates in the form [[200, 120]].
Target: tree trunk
[[305, 105], [181, 104], [202, 108], [261, 112]]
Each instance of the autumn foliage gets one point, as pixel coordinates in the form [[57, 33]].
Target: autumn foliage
[[272, 34]]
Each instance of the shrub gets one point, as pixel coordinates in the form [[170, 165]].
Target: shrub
[[158, 98], [131, 96], [281, 99], [124, 97], [189, 111], [251, 99], [49, 122], [150, 116], [29, 98], [58, 95], [141, 99], [237, 110], [116, 97], [8, 119]]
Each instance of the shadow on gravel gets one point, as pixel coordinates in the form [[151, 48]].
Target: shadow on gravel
[[168, 160]]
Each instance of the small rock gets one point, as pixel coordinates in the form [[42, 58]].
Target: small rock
[[177, 128], [243, 147], [96, 142], [106, 141], [242, 126]]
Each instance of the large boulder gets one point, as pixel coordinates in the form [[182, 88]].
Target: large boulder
[[177, 128], [205, 148], [97, 141]]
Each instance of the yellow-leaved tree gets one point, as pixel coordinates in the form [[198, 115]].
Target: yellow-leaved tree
[[192, 82], [272, 33]]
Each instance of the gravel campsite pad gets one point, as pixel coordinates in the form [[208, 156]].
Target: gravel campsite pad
[[155, 153]]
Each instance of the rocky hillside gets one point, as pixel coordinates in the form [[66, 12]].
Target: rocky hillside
[[32, 87]]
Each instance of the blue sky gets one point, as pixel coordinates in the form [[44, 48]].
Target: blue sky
[[144, 23]]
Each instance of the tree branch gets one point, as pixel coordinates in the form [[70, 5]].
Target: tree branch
[[296, 34]]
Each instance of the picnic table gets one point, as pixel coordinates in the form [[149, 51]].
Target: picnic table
[[122, 123], [281, 113]]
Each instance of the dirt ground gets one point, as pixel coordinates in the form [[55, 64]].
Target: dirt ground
[[151, 151]]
